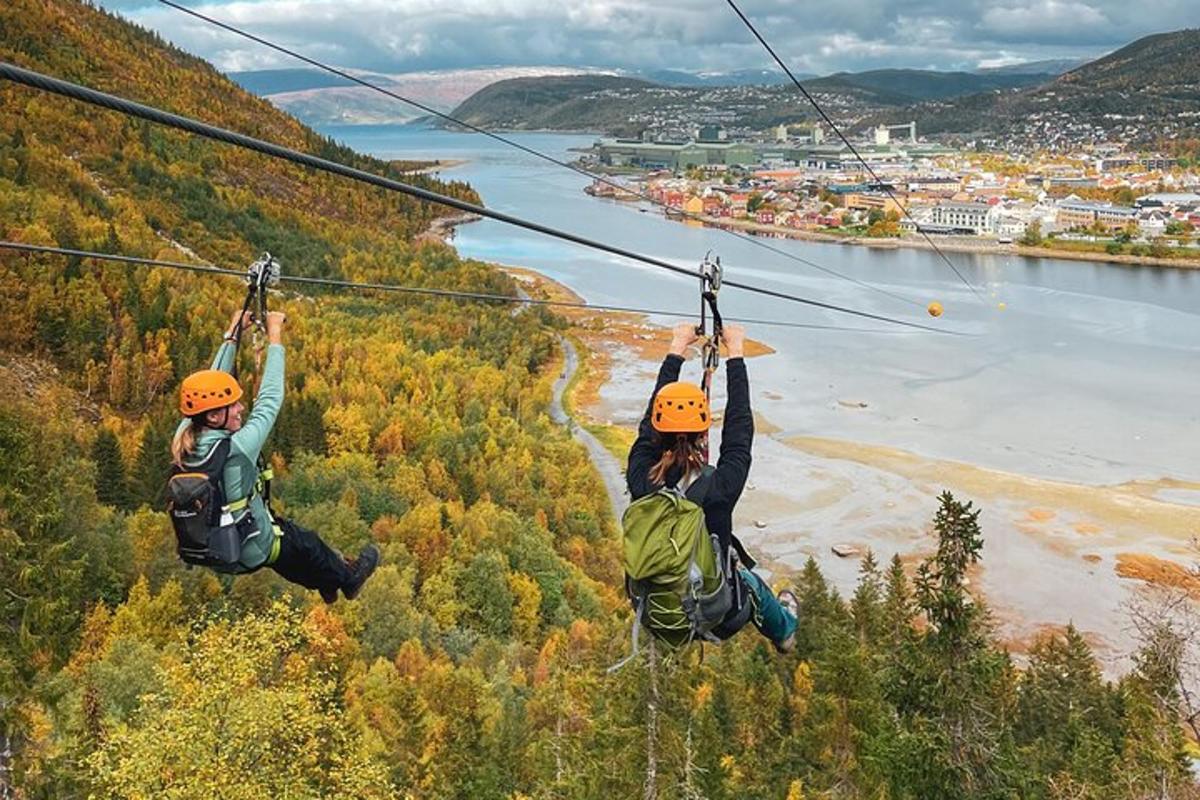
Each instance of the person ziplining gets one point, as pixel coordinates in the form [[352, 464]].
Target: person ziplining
[[219, 491], [687, 575]]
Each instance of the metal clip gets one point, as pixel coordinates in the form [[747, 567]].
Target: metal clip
[[711, 272], [263, 273]]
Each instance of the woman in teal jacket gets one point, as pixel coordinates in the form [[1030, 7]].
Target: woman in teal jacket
[[211, 402]]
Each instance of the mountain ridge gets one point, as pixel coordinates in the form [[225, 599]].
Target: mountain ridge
[[1153, 77]]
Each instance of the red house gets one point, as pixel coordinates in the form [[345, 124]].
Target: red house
[[765, 216], [713, 206], [674, 199]]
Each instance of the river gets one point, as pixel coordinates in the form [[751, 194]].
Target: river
[[1087, 377]]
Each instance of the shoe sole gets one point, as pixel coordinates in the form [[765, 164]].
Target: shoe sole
[[374, 565]]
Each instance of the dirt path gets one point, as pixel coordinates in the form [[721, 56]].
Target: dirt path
[[608, 467]]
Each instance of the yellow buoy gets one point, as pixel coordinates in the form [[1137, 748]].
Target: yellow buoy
[[1002, 306], [934, 309]]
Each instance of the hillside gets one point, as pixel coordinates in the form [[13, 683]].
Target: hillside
[[402, 423], [1154, 78], [624, 106], [585, 102], [896, 86]]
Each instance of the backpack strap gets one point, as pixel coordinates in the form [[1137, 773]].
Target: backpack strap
[[213, 466], [639, 606], [698, 493]]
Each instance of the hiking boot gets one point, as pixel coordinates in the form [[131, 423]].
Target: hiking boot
[[329, 595], [360, 570], [790, 604]]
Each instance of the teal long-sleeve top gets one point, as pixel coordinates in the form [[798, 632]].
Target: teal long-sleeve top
[[241, 469]]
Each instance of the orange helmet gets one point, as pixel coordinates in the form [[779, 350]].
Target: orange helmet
[[207, 389], [680, 408]]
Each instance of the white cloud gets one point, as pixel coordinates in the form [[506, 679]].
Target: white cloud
[[1044, 20], [812, 35]]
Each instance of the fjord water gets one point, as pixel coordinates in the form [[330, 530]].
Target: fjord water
[[1089, 375]]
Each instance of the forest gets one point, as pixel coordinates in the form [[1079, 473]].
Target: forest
[[474, 665]]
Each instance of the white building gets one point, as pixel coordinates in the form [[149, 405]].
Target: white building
[[1152, 223], [978, 218]]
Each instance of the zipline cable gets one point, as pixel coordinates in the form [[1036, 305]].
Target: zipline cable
[[414, 290], [878, 181], [523, 148], [84, 94]]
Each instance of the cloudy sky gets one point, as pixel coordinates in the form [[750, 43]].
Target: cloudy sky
[[817, 36]]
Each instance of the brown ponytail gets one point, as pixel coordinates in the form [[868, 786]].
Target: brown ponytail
[[678, 448], [184, 443]]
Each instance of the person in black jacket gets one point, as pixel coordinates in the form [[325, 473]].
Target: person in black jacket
[[669, 452]]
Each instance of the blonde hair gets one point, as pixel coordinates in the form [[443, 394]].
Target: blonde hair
[[184, 442], [684, 449]]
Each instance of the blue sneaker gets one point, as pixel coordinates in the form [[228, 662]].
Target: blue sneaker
[[791, 605]]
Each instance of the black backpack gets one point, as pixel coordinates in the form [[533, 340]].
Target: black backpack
[[207, 533]]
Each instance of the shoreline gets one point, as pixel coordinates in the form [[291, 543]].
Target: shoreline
[[956, 245], [442, 164]]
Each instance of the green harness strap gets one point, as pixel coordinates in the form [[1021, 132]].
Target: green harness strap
[[275, 545], [239, 505]]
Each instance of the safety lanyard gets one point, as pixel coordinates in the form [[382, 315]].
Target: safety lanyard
[[710, 284], [259, 276]]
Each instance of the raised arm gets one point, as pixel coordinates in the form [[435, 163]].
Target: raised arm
[[644, 454], [227, 352], [737, 430], [269, 400]]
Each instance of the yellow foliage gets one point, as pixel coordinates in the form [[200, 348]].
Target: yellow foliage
[[411, 661], [439, 596], [802, 690], [157, 619], [246, 713], [346, 429], [527, 601]]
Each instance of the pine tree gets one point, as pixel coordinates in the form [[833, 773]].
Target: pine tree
[[867, 604], [941, 581], [151, 468], [898, 609], [957, 684], [110, 470], [815, 611]]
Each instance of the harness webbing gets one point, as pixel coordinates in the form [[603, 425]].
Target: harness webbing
[[710, 284]]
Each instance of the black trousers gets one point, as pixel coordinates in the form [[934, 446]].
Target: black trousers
[[306, 560]]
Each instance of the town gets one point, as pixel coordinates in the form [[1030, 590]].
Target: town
[[1106, 200]]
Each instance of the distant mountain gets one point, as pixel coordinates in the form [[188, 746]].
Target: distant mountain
[[1147, 90], [318, 97], [625, 106], [1053, 66], [578, 102], [897, 86], [266, 82], [740, 77]]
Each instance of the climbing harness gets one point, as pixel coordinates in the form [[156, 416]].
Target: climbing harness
[[711, 274]]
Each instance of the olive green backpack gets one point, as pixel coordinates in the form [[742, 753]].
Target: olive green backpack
[[674, 571]]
